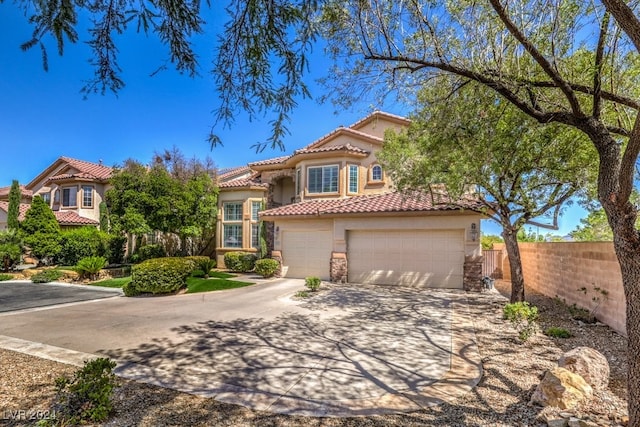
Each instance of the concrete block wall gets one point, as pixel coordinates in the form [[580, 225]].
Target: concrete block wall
[[562, 269]]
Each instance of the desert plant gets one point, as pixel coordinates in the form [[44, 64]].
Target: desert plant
[[90, 266], [87, 396], [556, 332], [312, 283], [523, 317], [206, 265], [267, 267], [241, 262], [597, 299], [302, 294], [46, 276]]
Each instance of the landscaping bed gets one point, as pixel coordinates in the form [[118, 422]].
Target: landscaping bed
[[511, 372]]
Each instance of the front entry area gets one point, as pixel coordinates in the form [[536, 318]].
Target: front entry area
[[418, 258]]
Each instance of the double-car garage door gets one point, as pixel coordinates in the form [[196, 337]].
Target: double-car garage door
[[420, 258]]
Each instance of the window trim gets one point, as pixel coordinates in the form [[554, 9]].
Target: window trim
[[92, 188], [70, 188], [323, 167], [298, 184], [255, 222]]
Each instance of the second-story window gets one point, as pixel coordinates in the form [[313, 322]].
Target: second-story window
[[47, 198], [353, 178], [87, 196], [298, 181], [256, 206], [376, 173], [322, 179], [69, 197]]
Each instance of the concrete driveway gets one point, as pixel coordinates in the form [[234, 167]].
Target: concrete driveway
[[351, 350]]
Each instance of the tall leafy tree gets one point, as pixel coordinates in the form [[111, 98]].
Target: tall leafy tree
[[593, 228], [471, 140], [41, 231], [576, 64], [14, 206]]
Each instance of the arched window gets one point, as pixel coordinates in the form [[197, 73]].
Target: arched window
[[376, 173]]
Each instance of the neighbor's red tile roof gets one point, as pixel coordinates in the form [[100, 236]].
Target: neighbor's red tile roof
[[273, 161], [72, 218], [86, 169], [243, 182], [24, 207], [229, 173], [377, 203], [4, 191], [346, 147]]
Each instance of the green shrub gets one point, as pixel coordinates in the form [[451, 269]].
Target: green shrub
[[130, 290], [555, 332], [206, 265], [150, 251], [5, 277], [241, 262], [267, 267], [116, 248], [90, 267], [46, 276], [312, 283], [86, 398], [82, 243], [302, 294], [195, 259], [10, 255], [523, 317], [41, 230], [161, 275]]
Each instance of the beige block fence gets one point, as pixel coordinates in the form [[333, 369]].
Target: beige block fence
[[563, 269]]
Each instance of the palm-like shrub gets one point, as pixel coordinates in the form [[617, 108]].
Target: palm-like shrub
[[90, 266], [206, 265]]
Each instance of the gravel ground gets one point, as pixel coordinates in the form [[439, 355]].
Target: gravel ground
[[511, 372]]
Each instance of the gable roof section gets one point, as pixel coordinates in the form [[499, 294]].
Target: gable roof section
[[373, 204], [377, 115], [24, 207], [343, 131], [243, 183], [233, 173], [86, 171]]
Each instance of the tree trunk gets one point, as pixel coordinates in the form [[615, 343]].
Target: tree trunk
[[510, 237]]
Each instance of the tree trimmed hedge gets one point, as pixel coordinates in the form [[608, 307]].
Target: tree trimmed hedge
[[267, 267], [160, 276], [240, 262]]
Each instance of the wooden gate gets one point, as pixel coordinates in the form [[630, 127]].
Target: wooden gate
[[492, 263]]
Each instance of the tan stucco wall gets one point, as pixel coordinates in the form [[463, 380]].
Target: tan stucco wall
[[3, 220], [561, 269], [377, 127]]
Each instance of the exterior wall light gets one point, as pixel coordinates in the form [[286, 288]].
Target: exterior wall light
[[474, 231]]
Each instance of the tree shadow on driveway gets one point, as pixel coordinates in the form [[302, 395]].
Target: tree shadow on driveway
[[347, 351]]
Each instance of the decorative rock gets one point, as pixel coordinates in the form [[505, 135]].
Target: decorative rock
[[561, 388], [557, 422], [590, 364]]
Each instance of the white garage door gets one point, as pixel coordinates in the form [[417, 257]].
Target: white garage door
[[307, 253], [420, 258]]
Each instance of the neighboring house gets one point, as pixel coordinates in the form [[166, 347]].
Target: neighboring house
[[334, 214], [73, 189]]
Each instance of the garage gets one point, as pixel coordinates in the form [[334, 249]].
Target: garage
[[307, 253], [418, 258]]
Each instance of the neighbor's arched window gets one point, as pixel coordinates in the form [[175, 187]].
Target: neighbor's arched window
[[376, 173]]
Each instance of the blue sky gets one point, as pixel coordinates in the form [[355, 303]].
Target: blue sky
[[43, 114]]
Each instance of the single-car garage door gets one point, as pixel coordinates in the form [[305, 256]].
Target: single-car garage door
[[307, 253], [420, 258]]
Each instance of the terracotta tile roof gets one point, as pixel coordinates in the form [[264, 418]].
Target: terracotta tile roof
[[377, 203], [4, 191], [88, 169], [229, 173], [346, 147], [274, 161], [72, 218], [24, 207], [241, 183]]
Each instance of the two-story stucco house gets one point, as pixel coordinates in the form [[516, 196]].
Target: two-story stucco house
[[73, 189], [334, 214]]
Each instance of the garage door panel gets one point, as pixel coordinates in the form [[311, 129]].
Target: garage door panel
[[307, 253], [420, 258]]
